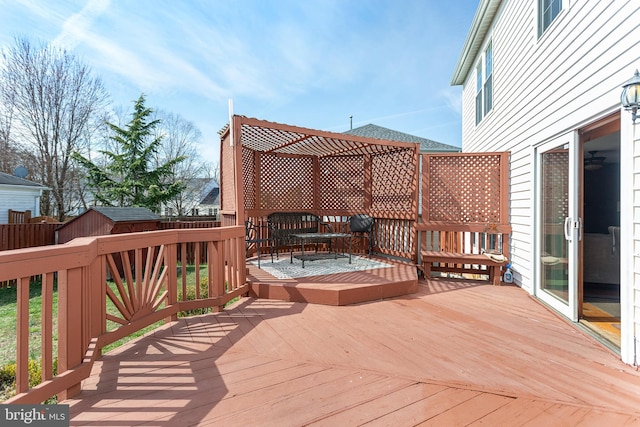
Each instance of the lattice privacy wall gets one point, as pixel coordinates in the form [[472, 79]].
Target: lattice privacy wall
[[248, 178], [227, 177], [342, 183], [392, 188], [463, 189], [555, 186], [286, 183]]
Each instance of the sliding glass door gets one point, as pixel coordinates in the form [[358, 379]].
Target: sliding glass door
[[559, 227]]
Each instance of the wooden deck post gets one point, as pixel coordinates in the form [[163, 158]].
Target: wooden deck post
[[70, 350]]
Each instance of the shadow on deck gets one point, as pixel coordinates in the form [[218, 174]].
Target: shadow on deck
[[454, 353]]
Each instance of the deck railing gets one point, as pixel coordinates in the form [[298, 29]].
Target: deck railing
[[110, 287]]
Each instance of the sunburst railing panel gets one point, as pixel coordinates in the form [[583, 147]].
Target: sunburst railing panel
[[110, 287]]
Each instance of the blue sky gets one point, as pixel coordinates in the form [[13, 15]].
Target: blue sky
[[307, 63]]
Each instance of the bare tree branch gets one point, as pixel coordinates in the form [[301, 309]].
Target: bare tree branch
[[57, 105]]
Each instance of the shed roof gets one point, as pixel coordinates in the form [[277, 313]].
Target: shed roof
[[126, 214], [6, 179], [379, 132]]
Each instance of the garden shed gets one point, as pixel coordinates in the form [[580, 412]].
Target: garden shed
[[104, 220]]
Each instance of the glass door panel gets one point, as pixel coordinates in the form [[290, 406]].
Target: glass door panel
[[558, 225], [554, 271]]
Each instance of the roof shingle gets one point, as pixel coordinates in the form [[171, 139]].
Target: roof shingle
[[379, 132]]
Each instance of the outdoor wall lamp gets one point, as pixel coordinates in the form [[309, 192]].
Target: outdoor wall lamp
[[630, 97]]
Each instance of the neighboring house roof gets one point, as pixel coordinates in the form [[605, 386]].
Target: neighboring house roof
[[379, 132], [126, 214], [212, 197], [6, 179], [480, 26]]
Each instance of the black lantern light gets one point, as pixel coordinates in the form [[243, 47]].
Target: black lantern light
[[630, 97]]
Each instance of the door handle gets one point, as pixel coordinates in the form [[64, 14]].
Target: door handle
[[580, 228], [567, 230]]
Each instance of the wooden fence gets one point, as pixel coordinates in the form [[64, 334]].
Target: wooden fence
[[19, 236], [19, 217], [189, 250]]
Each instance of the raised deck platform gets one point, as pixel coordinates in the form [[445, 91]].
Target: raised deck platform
[[336, 289]]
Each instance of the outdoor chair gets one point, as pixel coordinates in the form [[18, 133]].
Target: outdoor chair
[[253, 236], [361, 226]]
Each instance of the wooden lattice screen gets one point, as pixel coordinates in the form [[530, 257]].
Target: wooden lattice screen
[[249, 178], [465, 188], [393, 189], [286, 183], [344, 177]]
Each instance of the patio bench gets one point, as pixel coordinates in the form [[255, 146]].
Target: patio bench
[[465, 248], [284, 225]]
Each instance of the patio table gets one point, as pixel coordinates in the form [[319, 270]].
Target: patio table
[[315, 237]]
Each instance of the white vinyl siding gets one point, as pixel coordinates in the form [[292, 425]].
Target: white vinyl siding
[[18, 199], [549, 87]]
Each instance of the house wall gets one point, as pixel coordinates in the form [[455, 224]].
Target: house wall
[[18, 199], [551, 86], [548, 86]]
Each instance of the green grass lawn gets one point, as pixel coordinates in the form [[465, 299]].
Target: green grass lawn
[[8, 324]]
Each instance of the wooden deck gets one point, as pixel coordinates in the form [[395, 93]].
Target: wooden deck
[[455, 353], [337, 289]]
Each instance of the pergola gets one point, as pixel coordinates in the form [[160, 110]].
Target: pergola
[[270, 167]]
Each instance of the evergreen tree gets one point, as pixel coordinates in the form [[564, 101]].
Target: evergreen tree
[[127, 177]]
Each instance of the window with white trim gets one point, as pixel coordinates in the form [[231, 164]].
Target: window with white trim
[[488, 78], [484, 83], [547, 12], [479, 92]]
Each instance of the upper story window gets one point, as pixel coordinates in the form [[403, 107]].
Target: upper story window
[[484, 84], [488, 78], [479, 92], [547, 12]]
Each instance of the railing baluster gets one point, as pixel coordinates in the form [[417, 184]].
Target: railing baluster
[[22, 327], [47, 326], [183, 270], [196, 260]]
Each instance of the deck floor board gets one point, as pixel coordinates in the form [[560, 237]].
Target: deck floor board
[[455, 353]]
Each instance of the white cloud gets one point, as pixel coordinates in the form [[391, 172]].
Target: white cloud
[[78, 25], [453, 99]]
